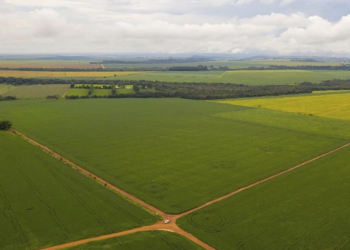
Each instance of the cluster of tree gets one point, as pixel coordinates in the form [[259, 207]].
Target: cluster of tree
[[7, 98], [189, 68], [205, 91], [91, 89], [88, 86], [190, 90], [53, 97], [5, 125]]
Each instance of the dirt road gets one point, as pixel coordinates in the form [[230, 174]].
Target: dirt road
[[171, 226], [263, 180], [160, 225]]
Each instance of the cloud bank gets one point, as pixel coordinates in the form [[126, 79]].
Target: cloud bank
[[169, 26]]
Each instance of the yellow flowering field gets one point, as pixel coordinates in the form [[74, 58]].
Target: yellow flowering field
[[333, 105]]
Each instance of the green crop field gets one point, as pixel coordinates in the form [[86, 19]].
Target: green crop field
[[102, 92], [248, 77], [307, 208], [175, 154], [155, 240], [78, 92], [44, 202], [37, 91]]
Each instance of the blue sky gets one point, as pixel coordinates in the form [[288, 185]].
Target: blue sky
[[282, 27]]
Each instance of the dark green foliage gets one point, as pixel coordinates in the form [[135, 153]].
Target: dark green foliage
[[5, 125], [189, 68], [136, 88], [91, 89], [7, 98], [199, 91], [53, 97]]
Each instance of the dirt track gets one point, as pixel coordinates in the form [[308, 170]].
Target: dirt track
[[65, 93], [160, 225], [171, 226]]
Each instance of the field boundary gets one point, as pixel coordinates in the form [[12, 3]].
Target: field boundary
[[65, 93], [160, 225]]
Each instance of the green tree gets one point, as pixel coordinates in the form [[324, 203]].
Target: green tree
[[114, 91], [5, 125]]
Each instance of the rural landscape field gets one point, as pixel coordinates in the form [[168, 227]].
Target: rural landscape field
[[174, 125], [225, 174]]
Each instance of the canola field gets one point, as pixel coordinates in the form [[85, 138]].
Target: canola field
[[331, 104], [303, 209], [161, 240], [43, 202], [175, 154], [67, 74]]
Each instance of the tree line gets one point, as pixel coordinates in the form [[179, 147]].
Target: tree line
[[198, 91], [7, 98]]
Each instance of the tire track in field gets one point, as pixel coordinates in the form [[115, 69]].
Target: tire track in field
[[264, 180], [171, 226], [15, 223], [22, 239], [91, 211], [42, 199]]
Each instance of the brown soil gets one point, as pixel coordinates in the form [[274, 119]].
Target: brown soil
[[160, 225]]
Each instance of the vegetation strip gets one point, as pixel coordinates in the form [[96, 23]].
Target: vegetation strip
[[171, 226]]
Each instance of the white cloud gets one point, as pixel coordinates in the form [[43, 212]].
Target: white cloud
[[149, 26]]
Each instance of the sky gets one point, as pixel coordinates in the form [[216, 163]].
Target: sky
[[244, 27]]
